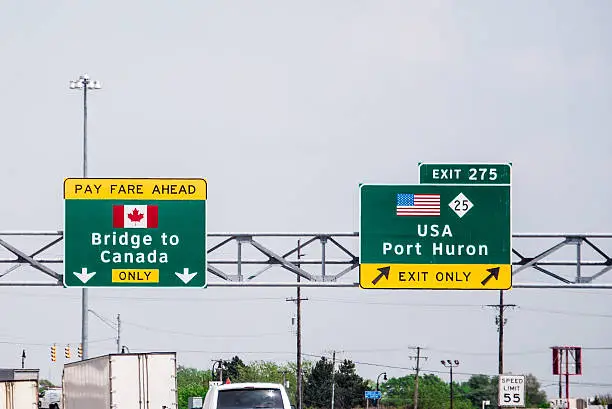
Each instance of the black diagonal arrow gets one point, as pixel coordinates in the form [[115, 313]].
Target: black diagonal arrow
[[384, 272], [493, 273]]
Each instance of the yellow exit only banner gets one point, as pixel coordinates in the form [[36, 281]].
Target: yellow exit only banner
[[436, 276]]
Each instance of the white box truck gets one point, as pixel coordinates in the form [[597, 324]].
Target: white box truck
[[22, 394], [121, 381]]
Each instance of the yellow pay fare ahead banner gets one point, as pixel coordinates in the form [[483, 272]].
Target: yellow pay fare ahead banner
[[135, 189], [436, 276]]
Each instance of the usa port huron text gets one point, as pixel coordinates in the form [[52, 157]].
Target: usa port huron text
[[416, 248]]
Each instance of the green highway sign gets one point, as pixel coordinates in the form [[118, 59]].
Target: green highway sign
[[135, 232], [465, 173], [435, 236]]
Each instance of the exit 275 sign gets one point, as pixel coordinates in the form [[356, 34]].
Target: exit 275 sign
[[135, 232]]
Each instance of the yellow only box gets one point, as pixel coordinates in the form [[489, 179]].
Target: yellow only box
[[124, 275], [436, 276], [135, 189]]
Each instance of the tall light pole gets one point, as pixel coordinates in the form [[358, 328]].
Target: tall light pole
[[384, 374], [84, 83], [218, 362], [451, 364]]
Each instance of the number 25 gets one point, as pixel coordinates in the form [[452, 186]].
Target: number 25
[[463, 202]]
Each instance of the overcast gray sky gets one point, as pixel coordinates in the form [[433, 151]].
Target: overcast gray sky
[[285, 107]]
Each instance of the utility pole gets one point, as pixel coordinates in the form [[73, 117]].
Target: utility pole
[[298, 302], [118, 333], [333, 378], [333, 391], [111, 325], [418, 358], [501, 321]]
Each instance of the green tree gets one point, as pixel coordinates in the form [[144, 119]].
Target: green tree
[[396, 392], [232, 369], [479, 388], [317, 385], [261, 371], [603, 399], [191, 382], [534, 396], [290, 370], [350, 387], [45, 384], [434, 393]]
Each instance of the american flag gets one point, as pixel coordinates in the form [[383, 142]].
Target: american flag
[[410, 204]]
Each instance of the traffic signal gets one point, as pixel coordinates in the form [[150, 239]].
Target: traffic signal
[[67, 351], [53, 353], [80, 351]]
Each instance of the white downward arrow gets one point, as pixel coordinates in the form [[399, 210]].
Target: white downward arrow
[[84, 276], [186, 276]]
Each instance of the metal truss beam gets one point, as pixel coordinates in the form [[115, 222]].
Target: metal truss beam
[[557, 260]]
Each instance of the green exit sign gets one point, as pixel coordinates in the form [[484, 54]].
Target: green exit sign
[[449, 174], [435, 237], [135, 232]]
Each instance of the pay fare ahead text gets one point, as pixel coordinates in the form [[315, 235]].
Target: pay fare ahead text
[[135, 189]]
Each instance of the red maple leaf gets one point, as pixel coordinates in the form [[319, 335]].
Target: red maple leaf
[[135, 216]]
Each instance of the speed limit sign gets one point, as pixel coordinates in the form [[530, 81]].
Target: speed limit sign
[[511, 390]]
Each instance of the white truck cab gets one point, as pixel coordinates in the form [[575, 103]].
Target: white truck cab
[[248, 395], [50, 399]]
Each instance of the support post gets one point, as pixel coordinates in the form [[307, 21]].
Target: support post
[[299, 335], [451, 387], [567, 395], [500, 341], [578, 261], [560, 374], [323, 242], [118, 333], [239, 259], [85, 291]]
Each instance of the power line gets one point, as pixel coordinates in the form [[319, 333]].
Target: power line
[[431, 371], [530, 352], [561, 312], [544, 383], [315, 299], [49, 343], [190, 334]]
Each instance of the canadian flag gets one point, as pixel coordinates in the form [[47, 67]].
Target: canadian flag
[[134, 216]]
